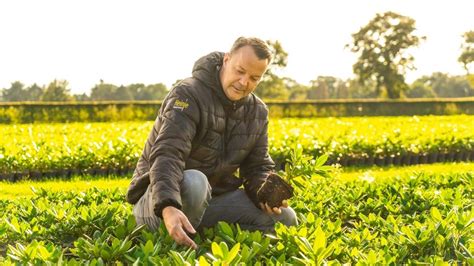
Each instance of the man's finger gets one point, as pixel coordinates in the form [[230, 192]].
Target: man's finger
[[183, 239], [268, 208], [276, 210], [187, 225], [284, 203]]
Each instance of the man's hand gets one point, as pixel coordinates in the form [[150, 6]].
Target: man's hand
[[275, 210], [176, 222]]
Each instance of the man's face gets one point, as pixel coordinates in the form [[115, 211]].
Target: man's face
[[241, 72]]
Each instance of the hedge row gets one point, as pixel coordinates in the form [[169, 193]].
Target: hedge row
[[407, 159], [348, 141], [30, 112]]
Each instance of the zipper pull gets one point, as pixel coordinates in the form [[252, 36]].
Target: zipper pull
[[234, 105]]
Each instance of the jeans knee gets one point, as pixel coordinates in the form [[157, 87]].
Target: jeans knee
[[288, 217], [195, 195], [194, 181]]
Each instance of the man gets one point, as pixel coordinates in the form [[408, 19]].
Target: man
[[209, 126]]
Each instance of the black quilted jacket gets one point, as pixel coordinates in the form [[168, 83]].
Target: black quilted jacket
[[200, 128]]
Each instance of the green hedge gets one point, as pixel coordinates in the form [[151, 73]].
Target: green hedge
[[30, 112], [372, 107]]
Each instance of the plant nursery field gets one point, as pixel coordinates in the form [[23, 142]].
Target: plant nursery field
[[371, 217], [368, 191], [37, 150]]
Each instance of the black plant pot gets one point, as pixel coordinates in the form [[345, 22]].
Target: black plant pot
[[35, 175], [274, 190], [380, 161], [397, 160], [343, 161], [10, 177], [75, 172], [468, 156], [441, 157], [101, 172], [423, 158], [370, 161], [62, 173], [406, 159], [433, 157], [450, 157], [20, 176], [91, 171]]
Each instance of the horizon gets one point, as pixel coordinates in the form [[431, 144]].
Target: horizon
[[121, 42]]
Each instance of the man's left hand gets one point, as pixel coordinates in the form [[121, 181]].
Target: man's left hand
[[274, 210]]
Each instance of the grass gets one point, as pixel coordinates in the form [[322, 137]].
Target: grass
[[24, 188]]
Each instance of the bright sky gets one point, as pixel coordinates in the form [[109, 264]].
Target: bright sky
[[125, 42]]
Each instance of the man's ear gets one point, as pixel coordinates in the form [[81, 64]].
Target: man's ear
[[226, 58]]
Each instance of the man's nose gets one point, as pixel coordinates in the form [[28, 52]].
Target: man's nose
[[244, 81]]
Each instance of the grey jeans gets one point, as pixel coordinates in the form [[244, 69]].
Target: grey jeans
[[202, 210]]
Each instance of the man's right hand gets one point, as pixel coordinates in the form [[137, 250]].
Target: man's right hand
[[176, 223]]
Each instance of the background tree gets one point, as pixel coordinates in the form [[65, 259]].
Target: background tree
[[445, 85], [328, 87], [15, 93], [280, 57], [81, 97], [382, 47], [421, 88], [296, 90], [103, 91], [57, 90], [319, 89], [122, 94], [467, 54], [34, 93], [150, 92], [358, 90], [272, 86]]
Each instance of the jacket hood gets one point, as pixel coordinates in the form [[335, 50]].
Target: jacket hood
[[206, 69]]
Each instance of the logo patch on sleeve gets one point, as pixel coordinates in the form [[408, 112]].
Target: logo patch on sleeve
[[178, 104]]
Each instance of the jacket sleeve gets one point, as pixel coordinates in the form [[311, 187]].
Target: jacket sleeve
[[178, 119], [257, 166]]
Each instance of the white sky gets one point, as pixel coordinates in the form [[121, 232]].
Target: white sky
[[125, 42]]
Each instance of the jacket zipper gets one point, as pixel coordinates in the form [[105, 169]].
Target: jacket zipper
[[224, 147]]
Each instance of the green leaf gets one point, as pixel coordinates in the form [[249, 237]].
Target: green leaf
[[224, 248], [216, 250], [225, 228], [148, 248], [372, 257], [319, 239], [233, 253], [203, 261], [105, 254], [436, 214], [321, 160]]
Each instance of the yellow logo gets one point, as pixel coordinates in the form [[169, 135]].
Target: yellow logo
[[180, 105]]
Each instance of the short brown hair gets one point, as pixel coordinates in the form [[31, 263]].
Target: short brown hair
[[259, 46]]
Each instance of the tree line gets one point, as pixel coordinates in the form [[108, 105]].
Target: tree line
[[382, 47]]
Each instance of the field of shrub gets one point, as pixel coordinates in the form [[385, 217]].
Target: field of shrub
[[414, 218], [37, 150]]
